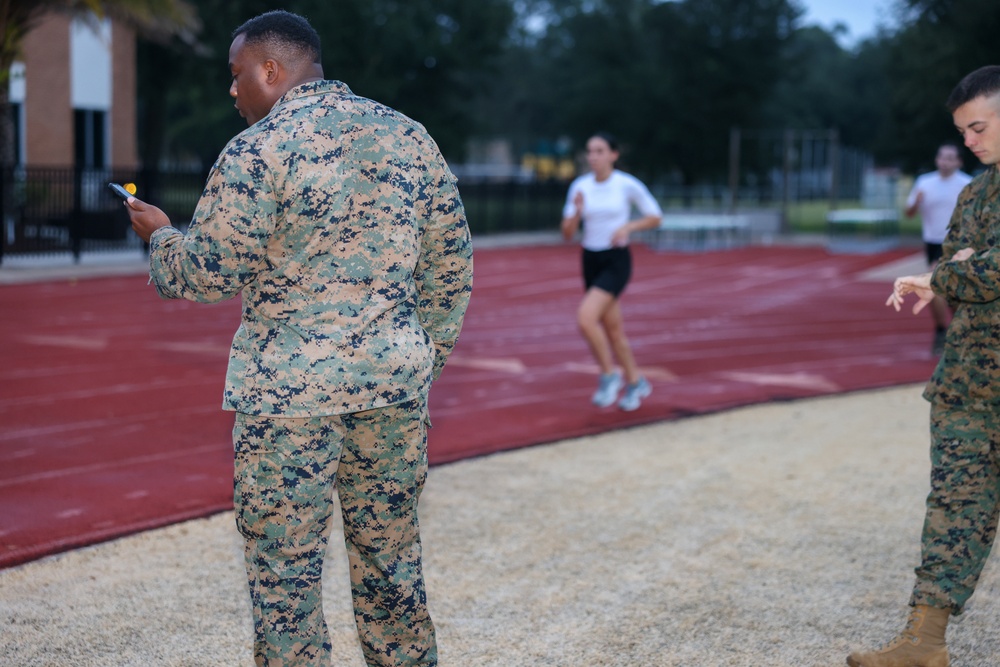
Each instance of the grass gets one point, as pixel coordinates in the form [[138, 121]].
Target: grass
[[810, 217]]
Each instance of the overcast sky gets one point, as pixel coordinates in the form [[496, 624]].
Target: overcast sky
[[860, 16]]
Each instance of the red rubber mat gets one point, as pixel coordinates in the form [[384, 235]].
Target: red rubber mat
[[110, 399]]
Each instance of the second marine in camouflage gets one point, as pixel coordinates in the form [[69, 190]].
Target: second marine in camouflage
[[964, 501]]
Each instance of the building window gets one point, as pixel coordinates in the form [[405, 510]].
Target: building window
[[90, 138], [16, 114]]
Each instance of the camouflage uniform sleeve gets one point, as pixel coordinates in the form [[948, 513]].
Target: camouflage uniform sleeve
[[975, 280], [443, 273], [226, 243]]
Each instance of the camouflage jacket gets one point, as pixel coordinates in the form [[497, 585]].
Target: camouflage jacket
[[340, 223], [968, 373]]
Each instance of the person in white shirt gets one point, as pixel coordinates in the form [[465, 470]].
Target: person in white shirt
[[934, 196], [602, 201]]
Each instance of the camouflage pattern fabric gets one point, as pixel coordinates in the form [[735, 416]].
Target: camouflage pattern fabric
[[342, 226], [285, 470], [968, 372], [962, 506]]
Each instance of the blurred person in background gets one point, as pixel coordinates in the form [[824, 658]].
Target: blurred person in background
[[934, 196], [601, 202]]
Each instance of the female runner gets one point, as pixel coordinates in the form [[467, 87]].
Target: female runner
[[602, 201]]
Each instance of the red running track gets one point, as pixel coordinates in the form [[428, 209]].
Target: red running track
[[110, 399]]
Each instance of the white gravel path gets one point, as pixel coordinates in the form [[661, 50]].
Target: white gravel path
[[777, 535]]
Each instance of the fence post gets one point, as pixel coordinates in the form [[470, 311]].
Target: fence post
[[834, 168], [786, 176], [734, 168], [76, 219], [4, 180]]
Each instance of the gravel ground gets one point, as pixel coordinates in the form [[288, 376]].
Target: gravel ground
[[781, 534]]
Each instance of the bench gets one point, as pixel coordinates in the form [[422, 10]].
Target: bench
[[862, 230], [697, 232]]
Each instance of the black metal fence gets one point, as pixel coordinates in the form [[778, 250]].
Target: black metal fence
[[51, 211], [67, 211], [71, 211], [498, 207]]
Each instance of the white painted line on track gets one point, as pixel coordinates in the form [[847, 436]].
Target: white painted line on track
[[798, 380], [509, 365], [105, 466], [74, 342], [37, 432]]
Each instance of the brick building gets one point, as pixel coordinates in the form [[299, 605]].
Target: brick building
[[73, 95], [73, 101]]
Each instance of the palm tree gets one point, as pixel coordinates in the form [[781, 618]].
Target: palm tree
[[154, 19]]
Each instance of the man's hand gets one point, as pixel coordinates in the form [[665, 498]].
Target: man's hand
[[146, 218], [919, 285], [962, 255]]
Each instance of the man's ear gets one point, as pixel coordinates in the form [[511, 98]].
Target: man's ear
[[272, 70]]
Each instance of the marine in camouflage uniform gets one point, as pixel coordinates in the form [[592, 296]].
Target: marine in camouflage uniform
[[964, 392], [964, 500], [339, 223]]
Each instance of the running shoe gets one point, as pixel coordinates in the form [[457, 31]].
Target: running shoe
[[607, 390], [634, 393]]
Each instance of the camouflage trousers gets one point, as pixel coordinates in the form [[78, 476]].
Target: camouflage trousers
[[286, 472], [962, 506]]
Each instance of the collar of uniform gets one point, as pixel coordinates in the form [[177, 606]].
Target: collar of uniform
[[313, 88], [991, 185], [994, 175]]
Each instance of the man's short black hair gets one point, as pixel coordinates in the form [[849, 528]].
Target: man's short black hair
[[984, 82], [281, 28]]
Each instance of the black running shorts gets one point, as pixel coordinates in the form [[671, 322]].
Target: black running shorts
[[608, 270], [934, 252]]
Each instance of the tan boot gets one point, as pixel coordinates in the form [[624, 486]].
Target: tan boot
[[921, 644]]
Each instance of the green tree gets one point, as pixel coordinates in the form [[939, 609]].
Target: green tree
[[938, 43], [428, 58], [728, 56], [669, 78], [826, 86]]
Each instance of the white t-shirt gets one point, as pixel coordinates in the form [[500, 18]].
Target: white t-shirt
[[940, 197], [608, 205]]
